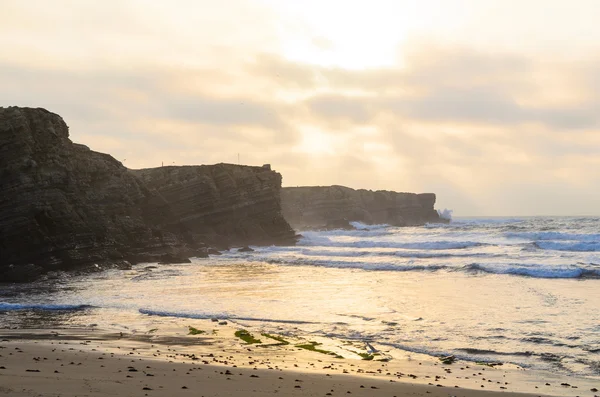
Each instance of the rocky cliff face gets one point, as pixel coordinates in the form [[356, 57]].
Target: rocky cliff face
[[335, 206], [222, 203], [63, 205]]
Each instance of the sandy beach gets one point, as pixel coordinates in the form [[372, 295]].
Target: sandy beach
[[214, 362]]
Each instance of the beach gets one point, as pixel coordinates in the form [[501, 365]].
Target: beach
[[492, 305], [210, 360]]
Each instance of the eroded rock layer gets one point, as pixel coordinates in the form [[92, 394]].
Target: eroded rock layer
[[223, 203], [335, 206]]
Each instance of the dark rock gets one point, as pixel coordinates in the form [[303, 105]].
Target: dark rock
[[336, 206], [222, 204], [64, 206], [201, 253], [170, 258], [245, 249], [447, 359], [20, 274], [212, 251]]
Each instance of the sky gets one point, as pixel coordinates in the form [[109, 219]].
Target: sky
[[494, 105]]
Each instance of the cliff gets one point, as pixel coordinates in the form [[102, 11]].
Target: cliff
[[335, 206], [65, 206], [222, 203]]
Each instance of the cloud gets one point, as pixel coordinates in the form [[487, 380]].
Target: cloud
[[477, 126], [217, 111], [148, 116], [323, 43], [451, 86], [283, 73], [334, 108]]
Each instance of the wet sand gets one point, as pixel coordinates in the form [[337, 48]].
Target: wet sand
[[83, 362]]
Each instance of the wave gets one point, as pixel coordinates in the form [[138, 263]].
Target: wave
[[585, 246], [543, 236], [432, 255], [475, 357], [221, 316], [536, 271], [445, 214], [368, 253], [474, 351], [35, 306], [364, 226], [372, 266], [417, 261], [366, 233], [324, 241], [528, 270]]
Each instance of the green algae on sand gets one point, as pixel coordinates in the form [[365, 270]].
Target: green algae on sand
[[247, 337], [282, 342], [195, 331], [312, 346]]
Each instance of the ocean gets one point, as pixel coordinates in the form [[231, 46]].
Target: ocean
[[511, 290]]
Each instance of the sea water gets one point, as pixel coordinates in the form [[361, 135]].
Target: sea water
[[519, 290]]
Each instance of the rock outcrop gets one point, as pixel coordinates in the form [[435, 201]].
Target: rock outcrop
[[330, 207], [65, 206], [222, 204]]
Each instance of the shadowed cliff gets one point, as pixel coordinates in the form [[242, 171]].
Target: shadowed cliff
[[64, 206], [335, 206], [222, 203]]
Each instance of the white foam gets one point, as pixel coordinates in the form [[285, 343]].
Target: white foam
[[222, 316], [445, 214], [584, 246], [537, 236], [364, 226], [536, 270], [324, 241]]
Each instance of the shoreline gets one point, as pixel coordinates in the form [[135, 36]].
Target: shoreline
[[216, 362]]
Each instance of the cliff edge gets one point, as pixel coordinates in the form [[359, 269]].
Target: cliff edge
[[65, 206], [222, 204], [334, 206]]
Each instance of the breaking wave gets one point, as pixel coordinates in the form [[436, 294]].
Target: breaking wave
[[583, 246], [537, 236], [317, 239], [220, 316], [537, 270]]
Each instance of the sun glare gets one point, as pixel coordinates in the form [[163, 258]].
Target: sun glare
[[346, 35], [355, 35], [315, 142]]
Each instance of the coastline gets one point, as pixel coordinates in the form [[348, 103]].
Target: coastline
[[94, 362]]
